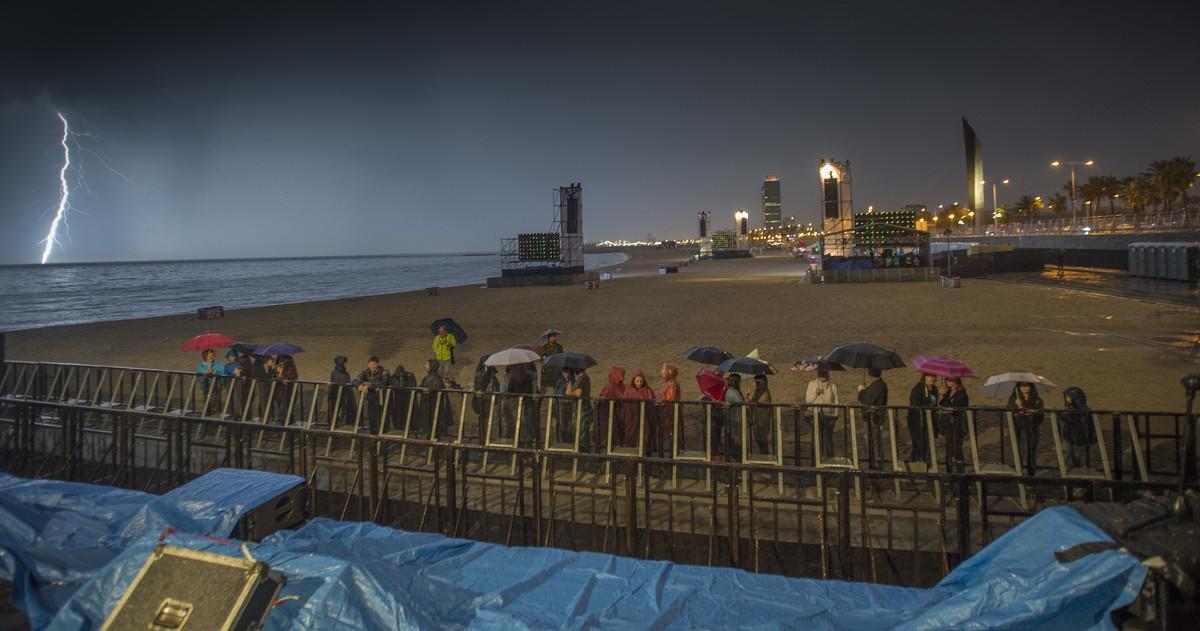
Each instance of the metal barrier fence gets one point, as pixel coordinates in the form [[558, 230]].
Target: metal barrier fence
[[746, 486], [1118, 445], [878, 525], [1127, 222]]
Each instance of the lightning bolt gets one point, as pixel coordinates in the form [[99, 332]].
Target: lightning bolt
[[61, 226], [64, 199]]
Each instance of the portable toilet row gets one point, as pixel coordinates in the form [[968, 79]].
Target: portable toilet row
[[1173, 261]]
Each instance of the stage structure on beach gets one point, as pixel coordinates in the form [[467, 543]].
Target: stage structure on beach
[[879, 247], [837, 203], [554, 257]]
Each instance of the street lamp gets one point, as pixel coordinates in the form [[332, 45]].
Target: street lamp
[[995, 204], [1073, 164]]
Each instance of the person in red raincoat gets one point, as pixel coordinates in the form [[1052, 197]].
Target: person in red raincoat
[[664, 431], [637, 390], [613, 390]]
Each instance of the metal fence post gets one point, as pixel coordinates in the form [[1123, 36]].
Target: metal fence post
[[964, 519]]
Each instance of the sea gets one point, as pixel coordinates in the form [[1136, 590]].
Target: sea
[[35, 296]]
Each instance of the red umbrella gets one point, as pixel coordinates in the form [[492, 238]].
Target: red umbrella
[[943, 367], [711, 384], [206, 341]]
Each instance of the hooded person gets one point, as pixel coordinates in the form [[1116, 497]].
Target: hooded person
[[1078, 431], [609, 410], [423, 408], [401, 381], [669, 394], [1027, 406], [637, 391], [340, 396], [922, 397], [231, 363], [485, 382]]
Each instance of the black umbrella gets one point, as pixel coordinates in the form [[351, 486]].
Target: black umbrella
[[864, 355], [707, 355], [574, 361], [243, 348], [746, 366], [810, 364], [452, 328]]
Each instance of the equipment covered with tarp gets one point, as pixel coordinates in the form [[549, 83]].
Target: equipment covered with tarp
[[350, 575], [55, 535]]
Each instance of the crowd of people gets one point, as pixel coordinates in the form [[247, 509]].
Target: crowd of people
[[641, 412]]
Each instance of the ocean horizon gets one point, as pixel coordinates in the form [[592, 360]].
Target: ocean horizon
[[38, 296]]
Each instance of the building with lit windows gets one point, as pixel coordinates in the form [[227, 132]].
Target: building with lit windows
[[772, 210]]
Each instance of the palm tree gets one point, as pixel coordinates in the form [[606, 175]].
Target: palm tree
[[1183, 172], [1028, 206], [1090, 192], [1057, 203], [1107, 186], [1163, 177], [1136, 193]]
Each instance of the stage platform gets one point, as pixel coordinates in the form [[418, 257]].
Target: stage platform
[[532, 280]]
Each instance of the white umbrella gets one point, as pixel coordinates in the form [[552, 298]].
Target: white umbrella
[[1000, 386], [512, 356]]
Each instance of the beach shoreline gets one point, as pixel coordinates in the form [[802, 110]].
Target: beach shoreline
[[1126, 354]]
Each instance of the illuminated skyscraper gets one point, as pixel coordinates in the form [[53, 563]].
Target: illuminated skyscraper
[[974, 173], [772, 211]]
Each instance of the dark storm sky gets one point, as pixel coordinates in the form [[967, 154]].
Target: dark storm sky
[[256, 129]]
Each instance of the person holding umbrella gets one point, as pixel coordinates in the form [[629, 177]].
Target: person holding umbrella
[[952, 417], [821, 391], [443, 349], [734, 400], [1027, 408], [873, 396], [550, 346], [761, 414], [923, 396], [207, 368], [580, 387]]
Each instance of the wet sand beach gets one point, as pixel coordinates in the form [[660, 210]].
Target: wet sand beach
[[1125, 353]]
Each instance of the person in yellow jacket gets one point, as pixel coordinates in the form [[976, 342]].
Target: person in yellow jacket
[[443, 350]]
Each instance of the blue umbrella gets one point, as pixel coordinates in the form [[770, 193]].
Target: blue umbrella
[[277, 348], [452, 328]]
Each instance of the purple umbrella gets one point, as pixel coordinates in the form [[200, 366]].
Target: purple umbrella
[[277, 348]]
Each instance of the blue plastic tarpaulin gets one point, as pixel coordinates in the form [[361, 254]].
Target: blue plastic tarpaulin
[[55, 535], [352, 575]]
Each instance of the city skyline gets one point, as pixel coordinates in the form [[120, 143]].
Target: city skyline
[[376, 130]]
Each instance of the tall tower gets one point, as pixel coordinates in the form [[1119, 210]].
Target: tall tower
[[772, 210], [568, 206], [974, 149], [837, 204]]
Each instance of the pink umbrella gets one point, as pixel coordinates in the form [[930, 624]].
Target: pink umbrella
[[943, 367]]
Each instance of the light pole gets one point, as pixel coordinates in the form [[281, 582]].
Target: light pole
[[995, 204], [1073, 164]]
